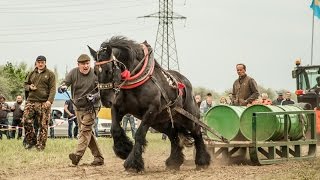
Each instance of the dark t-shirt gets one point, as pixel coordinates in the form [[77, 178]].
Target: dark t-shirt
[[70, 109]]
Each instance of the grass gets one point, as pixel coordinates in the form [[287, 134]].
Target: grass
[[14, 156]]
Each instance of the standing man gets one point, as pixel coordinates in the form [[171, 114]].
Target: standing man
[[17, 110], [287, 100], [278, 100], [197, 98], [206, 104], [87, 103], [130, 118], [4, 123], [41, 87], [72, 118], [245, 89]]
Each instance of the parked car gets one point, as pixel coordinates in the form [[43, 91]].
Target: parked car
[[61, 124]]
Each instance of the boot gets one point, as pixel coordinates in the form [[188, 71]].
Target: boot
[[98, 161], [74, 158], [28, 145]]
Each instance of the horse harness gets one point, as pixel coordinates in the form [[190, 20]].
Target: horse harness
[[144, 75]]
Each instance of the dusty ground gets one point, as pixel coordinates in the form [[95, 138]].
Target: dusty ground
[[155, 169]]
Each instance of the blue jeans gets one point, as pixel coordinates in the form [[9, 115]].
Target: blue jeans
[[70, 127], [125, 120]]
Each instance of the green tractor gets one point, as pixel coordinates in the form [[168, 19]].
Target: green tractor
[[308, 88]]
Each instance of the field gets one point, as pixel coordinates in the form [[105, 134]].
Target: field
[[53, 163]]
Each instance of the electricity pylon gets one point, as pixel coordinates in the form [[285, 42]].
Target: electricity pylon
[[165, 49]]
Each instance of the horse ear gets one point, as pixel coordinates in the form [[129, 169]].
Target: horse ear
[[109, 49], [93, 53]]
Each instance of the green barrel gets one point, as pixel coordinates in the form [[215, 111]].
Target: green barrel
[[269, 127], [298, 123], [225, 120]]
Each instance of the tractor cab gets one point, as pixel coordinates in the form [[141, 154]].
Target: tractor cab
[[307, 87]]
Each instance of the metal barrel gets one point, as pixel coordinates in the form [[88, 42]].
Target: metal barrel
[[298, 122], [225, 120], [271, 127]]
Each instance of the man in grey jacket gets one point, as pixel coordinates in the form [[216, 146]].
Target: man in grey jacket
[[86, 100]]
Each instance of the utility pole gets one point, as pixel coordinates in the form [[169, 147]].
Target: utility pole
[[165, 49]]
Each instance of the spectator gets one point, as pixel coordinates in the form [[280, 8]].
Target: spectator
[[245, 89], [4, 123], [278, 100], [130, 118], [198, 100], [17, 110], [41, 85], [317, 86], [206, 104], [223, 100], [71, 116], [230, 99], [87, 103], [287, 99], [265, 100], [56, 114]]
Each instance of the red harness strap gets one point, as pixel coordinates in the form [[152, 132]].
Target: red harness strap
[[146, 59], [141, 82]]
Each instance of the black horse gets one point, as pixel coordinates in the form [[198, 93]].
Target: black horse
[[131, 81]]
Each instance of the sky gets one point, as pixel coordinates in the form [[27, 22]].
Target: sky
[[267, 36]]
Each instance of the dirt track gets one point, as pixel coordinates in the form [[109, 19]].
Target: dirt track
[[155, 169]]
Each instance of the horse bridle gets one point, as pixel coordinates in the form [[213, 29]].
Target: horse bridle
[[115, 66], [116, 63]]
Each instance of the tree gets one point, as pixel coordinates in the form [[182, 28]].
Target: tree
[[13, 77]]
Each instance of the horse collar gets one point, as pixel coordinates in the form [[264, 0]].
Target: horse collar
[[145, 72]]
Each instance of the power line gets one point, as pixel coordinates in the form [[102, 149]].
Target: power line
[[46, 25], [68, 38], [66, 29], [35, 6], [40, 11], [25, 4]]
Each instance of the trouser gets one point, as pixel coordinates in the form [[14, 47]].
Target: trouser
[[70, 127], [4, 123], [86, 136], [36, 111], [51, 129], [17, 125], [125, 120], [95, 126]]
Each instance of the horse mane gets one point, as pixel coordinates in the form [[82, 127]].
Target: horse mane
[[133, 49]]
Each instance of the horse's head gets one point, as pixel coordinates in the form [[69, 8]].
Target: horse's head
[[107, 69]]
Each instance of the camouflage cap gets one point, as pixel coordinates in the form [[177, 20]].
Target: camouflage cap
[[83, 58]]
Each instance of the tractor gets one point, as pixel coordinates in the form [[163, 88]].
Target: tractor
[[307, 88]]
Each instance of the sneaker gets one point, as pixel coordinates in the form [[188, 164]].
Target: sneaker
[[74, 158], [97, 162]]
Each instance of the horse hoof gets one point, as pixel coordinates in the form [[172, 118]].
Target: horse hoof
[[132, 170], [133, 167], [202, 167], [175, 168]]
